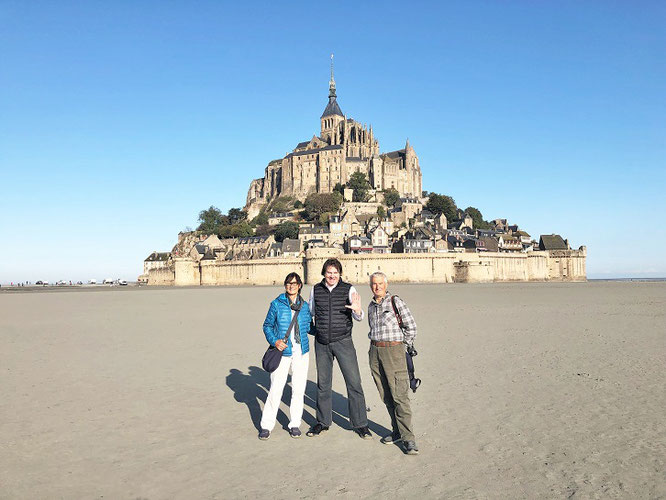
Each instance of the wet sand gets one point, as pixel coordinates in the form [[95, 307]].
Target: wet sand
[[530, 390]]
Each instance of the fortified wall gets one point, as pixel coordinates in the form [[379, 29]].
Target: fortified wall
[[554, 265]]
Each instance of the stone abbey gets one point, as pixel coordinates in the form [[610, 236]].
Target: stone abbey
[[343, 146], [404, 239]]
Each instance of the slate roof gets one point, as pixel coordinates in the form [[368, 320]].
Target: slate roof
[[158, 257], [395, 154], [490, 243], [249, 240], [332, 108], [552, 242], [312, 151], [209, 255], [290, 245], [313, 230]]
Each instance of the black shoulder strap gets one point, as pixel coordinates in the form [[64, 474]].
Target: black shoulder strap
[[294, 319], [396, 312]]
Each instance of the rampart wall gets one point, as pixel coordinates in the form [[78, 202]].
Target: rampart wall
[[561, 265]]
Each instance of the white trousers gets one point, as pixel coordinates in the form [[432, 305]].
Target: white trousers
[[298, 365]]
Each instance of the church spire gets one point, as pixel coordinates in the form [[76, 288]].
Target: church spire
[[332, 108], [331, 83]]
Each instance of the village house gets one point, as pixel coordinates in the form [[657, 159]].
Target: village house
[[380, 239], [358, 244], [509, 243], [278, 218]]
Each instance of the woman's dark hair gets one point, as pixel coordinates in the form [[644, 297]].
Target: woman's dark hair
[[331, 262], [295, 276]]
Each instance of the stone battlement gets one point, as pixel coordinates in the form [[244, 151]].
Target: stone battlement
[[560, 265]]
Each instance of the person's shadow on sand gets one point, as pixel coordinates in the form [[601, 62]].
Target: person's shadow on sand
[[252, 388]]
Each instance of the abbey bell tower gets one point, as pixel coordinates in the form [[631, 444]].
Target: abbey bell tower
[[331, 131]]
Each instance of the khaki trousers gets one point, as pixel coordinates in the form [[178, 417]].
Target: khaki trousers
[[389, 370]]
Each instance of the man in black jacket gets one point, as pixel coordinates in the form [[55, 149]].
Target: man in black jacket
[[333, 303]]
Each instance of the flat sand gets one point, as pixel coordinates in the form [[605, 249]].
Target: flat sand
[[530, 390]]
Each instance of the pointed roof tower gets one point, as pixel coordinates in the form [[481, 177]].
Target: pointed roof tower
[[332, 108]]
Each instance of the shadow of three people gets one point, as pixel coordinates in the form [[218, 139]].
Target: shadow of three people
[[252, 387]]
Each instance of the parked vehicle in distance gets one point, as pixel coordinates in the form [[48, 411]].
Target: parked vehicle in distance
[[107, 281], [122, 282], [61, 282], [40, 282], [92, 282]]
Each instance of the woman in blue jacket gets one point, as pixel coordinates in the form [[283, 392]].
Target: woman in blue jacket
[[295, 357]]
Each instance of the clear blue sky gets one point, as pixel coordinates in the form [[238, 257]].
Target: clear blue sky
[[120, 121]]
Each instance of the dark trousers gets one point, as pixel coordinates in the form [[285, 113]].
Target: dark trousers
[[344, 351]]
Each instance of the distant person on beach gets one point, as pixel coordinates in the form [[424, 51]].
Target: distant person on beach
[[295, 355], [333, 303], [387, 358]]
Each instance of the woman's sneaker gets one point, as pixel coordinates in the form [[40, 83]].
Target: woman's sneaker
[[264, 434], [295, 432]]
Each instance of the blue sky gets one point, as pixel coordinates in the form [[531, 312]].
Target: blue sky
[[120, 121]]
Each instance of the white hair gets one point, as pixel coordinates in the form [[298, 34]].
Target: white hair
[[378, 273]]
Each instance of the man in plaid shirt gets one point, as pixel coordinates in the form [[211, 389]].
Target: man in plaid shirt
[[387, 359]]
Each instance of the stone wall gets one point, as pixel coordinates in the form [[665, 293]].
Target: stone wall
[[249, 272], [562, 265], [162, 276]]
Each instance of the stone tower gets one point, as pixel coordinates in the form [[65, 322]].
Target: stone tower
[[332, 118]]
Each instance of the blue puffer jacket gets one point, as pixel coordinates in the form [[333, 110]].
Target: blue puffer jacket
[[278, 319]]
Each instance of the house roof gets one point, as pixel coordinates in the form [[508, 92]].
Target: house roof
[[490, 243], [313, 230], [158, 257], [312, 151], [552, 242], [291, 245], [395, 154], [209, 255]]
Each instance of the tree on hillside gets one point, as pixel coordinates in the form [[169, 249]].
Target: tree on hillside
[[381, 212], [264, 230], [288, 229], [211, 220], [339, 188], [239, 230], [477, 217], [391, 197], [236, 215], [440, 203], [260, 219], [317, 204], [359, 183]]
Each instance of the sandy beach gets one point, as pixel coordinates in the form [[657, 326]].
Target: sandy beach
[[530, 390]]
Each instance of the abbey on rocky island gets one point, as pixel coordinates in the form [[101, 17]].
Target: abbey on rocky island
[[343, 146]]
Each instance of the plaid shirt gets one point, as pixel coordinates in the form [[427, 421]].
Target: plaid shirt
[[384, 324]]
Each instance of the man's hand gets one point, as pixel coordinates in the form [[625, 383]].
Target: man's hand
[[356, 303], [281, 345]]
